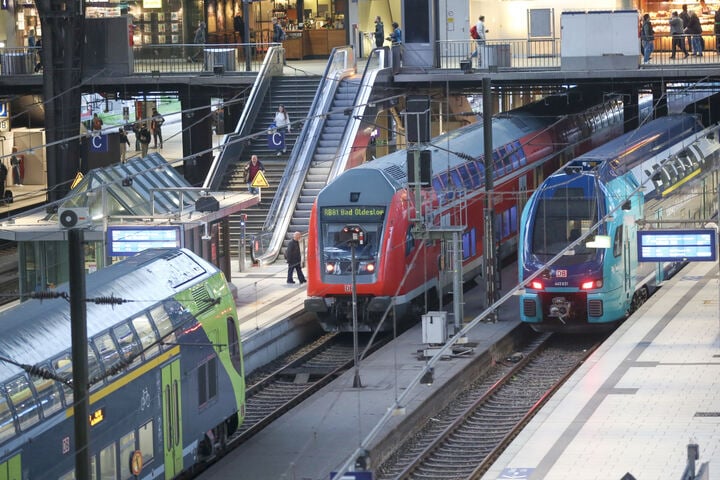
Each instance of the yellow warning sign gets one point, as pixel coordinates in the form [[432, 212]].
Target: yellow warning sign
[[259, 181], [78, 179]]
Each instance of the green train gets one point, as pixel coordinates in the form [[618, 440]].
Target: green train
[[166, 375]]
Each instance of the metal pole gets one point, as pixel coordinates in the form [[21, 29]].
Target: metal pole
[[356, 379], [241, 246], [457, 284], [246, 35], [489, 215], [78, 328]]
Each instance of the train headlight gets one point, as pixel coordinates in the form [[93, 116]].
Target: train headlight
[[329, 267], [536, 285], [590, 284], [368, 267]]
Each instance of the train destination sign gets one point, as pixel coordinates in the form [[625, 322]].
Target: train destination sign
[[676, 245], [354, 214]]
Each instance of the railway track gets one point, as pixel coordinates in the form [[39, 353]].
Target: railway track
[[463, 440], [285, 383]]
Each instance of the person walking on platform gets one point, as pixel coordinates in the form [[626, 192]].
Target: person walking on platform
[[685, 17], [199, 39], [144, 139], [648, 38], [250, 171], [479, 36], [379, 32], [17, 162], [124, 143], [294, 259], [3, 177], [156, 126], [676, 30], [694, 29]]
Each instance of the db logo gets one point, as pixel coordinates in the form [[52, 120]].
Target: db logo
[[348, 288]]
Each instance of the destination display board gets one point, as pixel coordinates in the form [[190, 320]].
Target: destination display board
[[676, 245], [352, 214], [126, 241]]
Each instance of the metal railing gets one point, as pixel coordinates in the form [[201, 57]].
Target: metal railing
[[188, 58], [19, 61]]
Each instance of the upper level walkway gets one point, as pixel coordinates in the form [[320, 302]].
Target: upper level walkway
[[507, 60]]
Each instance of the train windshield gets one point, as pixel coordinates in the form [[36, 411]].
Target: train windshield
[[562, 216], [343, 227]]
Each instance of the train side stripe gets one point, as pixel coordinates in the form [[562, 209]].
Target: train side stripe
[[682, 182], [126, 379]]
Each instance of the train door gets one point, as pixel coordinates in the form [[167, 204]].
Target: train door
[[11, 470], [172, 424]]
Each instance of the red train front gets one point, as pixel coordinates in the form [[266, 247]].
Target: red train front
[[395, 272]]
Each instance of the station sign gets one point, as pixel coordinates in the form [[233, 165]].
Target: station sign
[[126, 241], [677, 245], [4, 117]]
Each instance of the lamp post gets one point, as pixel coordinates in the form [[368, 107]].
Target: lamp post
[[353, 235]]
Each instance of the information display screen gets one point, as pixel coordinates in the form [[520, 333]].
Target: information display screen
[[347, 214], [126, 241], [676, 245]]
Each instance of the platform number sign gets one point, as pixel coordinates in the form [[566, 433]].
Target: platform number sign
[[4, 118]]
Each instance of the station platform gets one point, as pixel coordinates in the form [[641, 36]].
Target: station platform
[[637, 403], [316, 438]]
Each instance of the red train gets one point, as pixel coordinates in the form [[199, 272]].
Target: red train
[[395, 271]]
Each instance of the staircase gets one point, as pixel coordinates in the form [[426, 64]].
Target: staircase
[[325, 154], [297, 94]]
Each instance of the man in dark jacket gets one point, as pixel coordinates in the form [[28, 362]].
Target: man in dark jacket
[[3, 177], [294, 259], [144, 139]]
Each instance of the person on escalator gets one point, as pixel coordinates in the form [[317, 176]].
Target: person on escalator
[[282, 124]]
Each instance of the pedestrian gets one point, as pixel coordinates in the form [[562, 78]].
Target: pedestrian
[[144, 139], [250, 170], [3, 177], [38, 48], [31, 38], [96, 123], [156, 127], [480, 38], [647, 37], [685, 17], [694, 29], [278, 33], [239, 27], [396, 34], [282, 122], [124, 143], [17, 162], [294, 259], [135, 128], [379, 32], [199, 39], [676, 30]]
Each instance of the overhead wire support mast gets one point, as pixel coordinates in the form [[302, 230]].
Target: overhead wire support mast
[[491, 270]]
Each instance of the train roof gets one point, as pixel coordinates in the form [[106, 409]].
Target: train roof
[[630, 149], [37, 330], [461, 145]]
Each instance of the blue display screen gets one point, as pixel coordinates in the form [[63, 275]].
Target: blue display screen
[[127, 241], [676, 245]]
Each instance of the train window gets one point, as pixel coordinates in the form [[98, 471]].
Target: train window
[[457, 180], [148, 339], [145, 436], [617, 244], [513, 219], [129, 344], [207, 381], [474, 174], [499, 167], [107, 350], [234, 345], [506, 224], [108, 467], [462, 177], [95, 372], [49, 395], [20, 395], [127, 448], [7, 426], [63, 369], [469, 244], [519, 152], [162, 321]]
